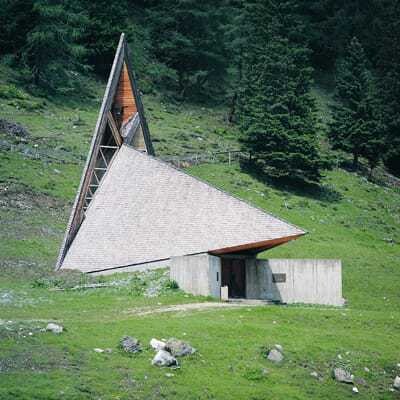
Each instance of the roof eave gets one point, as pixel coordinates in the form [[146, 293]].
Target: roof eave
[[256, 246]]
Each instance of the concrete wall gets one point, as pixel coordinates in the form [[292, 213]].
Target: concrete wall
[[306, 281], [197, 274]]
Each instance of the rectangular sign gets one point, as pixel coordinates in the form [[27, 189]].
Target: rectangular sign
[[278, 278]]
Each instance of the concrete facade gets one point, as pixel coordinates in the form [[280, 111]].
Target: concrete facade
[[199, 274], [308, 281]]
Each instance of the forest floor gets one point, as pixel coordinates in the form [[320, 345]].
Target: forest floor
[[347, 217]]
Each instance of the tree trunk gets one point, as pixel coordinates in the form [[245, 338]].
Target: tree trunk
[[232, 109], [355, 161]]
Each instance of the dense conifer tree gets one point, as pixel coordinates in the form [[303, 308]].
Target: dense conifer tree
[[357, 127], [188, 38], [51, 51], [276, 106]]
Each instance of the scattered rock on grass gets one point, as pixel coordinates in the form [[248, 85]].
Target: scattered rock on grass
[[55, 328], [179, 348], [314, 374], [157, 344], [360, 381], [396, 383], [279, 348], [97, 350], [355, 390], [275, 355], [130, 344], [13, 129], [164, 359], [341, 375]]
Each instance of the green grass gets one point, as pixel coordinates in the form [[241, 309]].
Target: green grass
[[347, 217]]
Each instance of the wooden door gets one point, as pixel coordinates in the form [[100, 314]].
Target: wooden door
[[234, 276]]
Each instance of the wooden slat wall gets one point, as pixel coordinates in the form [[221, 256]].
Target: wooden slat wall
[[124, 97]]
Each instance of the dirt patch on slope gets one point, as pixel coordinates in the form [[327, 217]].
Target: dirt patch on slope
[[192, 307]]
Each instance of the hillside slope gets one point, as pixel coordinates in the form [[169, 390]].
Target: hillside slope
[[347, 217]]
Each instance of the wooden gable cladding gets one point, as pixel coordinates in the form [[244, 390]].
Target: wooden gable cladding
[[124, 102]]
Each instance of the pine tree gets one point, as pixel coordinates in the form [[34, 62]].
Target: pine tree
[[106, 20], [357, 127], [277, 110], [16, 20], [51, 52], [389, 71], [187, 36]]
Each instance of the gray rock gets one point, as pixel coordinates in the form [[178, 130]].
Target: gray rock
[[360, 381], [157, 344], [164, 359], [55, 328], [279, 348], [396, 383], [355, 390], [275, 356], [130, 344], [314, 374], [341, 375], [13, 129], [98, 350], [179, 348]]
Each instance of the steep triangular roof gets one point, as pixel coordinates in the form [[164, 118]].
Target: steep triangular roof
[[121, 120], [146, 211]]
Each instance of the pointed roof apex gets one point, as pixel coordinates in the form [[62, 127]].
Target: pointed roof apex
[[121, 120]]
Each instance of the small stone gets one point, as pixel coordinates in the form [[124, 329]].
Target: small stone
[[30, 334], [97, 350], [179, 348], [366, 369], [164, 359], [169, 375], [360, 381], [341, 375], [55, 328], [339, 356], [314, 374], [157, 344], [130, 344], [396, 383], [264, 372], [275, 356], [279, 348], [398, 365], [355, 390]]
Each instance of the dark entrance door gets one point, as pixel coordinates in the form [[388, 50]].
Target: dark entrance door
[[233, 273]]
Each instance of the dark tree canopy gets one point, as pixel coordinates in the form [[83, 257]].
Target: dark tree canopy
[[357, 126], [276, 105], [257, 57]]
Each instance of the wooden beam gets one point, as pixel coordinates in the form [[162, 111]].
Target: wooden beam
[[114, 129]]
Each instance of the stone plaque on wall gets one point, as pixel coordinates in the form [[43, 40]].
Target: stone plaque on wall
[[278, 278]]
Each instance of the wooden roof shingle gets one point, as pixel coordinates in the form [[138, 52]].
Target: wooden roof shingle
[[146, 210]]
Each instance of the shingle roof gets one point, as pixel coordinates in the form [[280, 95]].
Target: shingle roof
[[146, 210]]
